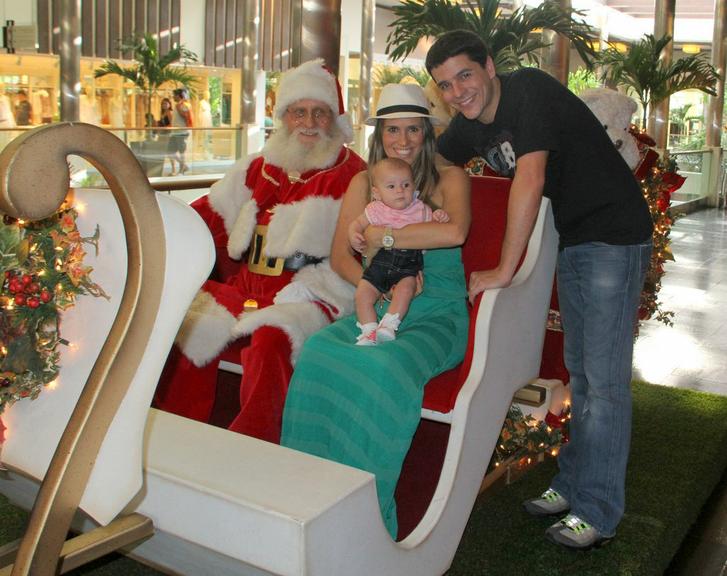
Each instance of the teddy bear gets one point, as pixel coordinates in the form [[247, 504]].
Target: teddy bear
[[614, 110]]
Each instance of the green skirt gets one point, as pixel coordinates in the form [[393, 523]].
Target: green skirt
[[360, 405]]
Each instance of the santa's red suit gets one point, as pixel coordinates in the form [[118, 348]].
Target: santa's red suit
[[283, 224]]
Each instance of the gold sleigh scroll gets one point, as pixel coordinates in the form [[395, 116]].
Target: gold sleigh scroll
[[34, 180]]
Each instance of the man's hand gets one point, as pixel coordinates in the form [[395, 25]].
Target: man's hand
[[481, 280]]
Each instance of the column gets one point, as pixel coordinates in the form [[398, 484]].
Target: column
[[658, 121], [248, 137], [719, 61], [715, 119], [70, 59], [557, 57], [368, 22], [317, 32]]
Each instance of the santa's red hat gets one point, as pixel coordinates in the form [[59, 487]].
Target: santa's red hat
[[312, 80]]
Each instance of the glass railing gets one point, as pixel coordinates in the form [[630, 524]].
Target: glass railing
[[209, 153], [206, 150], [184, 151], [694, 165]]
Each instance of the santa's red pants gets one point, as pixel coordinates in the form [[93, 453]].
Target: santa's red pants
[[188, 390]]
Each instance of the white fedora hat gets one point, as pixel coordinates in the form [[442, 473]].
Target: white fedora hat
[[402, 101]]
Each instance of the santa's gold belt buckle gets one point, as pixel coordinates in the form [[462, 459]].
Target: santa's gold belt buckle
[[258, 263]]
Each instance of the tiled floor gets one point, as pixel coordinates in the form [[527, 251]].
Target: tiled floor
[[693, 354]]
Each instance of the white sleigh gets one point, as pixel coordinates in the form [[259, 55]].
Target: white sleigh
[[222, 503]]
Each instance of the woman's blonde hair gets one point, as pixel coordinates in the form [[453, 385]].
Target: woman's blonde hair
[[426, 176]]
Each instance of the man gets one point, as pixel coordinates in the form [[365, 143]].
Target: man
[[23, 110], [280, 208], [531, 128], [181, 119]]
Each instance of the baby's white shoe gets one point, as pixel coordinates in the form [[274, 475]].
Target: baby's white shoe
[[368, 334], [386, 331]]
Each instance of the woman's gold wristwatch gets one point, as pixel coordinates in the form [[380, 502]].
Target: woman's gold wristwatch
[[388, 240]]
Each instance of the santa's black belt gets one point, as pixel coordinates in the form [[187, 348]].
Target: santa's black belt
[[260, 264]]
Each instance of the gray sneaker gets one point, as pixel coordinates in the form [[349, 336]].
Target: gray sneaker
[[550, 503], [572, 532]]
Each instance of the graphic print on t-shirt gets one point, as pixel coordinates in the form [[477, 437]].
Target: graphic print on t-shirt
[[499, 154]]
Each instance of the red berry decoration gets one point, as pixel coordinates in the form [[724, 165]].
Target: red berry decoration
[[20, 300], [26, 279], [32, 288], [45, 295], [33, 302]]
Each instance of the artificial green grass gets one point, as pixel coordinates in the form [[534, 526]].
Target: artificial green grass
[[677, 458]]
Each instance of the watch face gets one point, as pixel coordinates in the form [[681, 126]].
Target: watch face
[[387, 241]]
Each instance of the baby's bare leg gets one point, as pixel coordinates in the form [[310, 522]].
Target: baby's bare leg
[[366, 297], [402, 295]]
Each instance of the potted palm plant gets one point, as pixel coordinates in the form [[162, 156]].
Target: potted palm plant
[[149, 71], [651, 79], [514, 39]]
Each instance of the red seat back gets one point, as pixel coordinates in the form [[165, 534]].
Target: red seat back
[[481, 251]]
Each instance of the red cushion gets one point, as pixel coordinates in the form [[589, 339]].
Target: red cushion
[[481, 251]]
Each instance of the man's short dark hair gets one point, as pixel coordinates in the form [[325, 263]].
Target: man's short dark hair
[[180, 93], [454, 43]]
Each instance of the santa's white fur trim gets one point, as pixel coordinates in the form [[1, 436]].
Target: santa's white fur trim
[[228, 195], [205, 330], [327, 286], [294, 315], [241, 233], [298, 320], [306, 226]]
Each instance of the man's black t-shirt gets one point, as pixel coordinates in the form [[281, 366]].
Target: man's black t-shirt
[[595, 196]]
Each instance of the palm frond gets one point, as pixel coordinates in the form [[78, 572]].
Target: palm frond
[[521, 31], [513, 34], [650, 78], [131, 73], [383, 75], [691, 72], [419, 74], [417, 19], [151, 69]]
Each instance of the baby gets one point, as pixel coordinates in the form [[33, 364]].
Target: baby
[[394, 205]]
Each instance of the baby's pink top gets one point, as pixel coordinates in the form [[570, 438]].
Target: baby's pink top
[[379, 214]]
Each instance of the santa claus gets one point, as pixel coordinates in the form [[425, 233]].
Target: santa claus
[[278, 210]]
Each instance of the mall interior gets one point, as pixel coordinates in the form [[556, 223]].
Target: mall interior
[[235, 51]]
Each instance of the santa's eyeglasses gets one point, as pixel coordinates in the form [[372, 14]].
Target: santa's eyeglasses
[[318, 114]]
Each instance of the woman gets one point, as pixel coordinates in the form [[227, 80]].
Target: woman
[[360, 405], [165, 121]]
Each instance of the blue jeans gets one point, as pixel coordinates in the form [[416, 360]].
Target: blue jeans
[[599, 287]]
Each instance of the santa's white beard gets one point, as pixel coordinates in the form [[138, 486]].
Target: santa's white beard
[[285, 150]]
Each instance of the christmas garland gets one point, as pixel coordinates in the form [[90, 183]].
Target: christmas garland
[[43, 273], [658, 179], [525, 436]]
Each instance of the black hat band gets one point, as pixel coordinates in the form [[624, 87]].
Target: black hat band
[[403, 108]]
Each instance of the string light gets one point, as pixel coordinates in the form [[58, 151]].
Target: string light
[[33, 292]]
